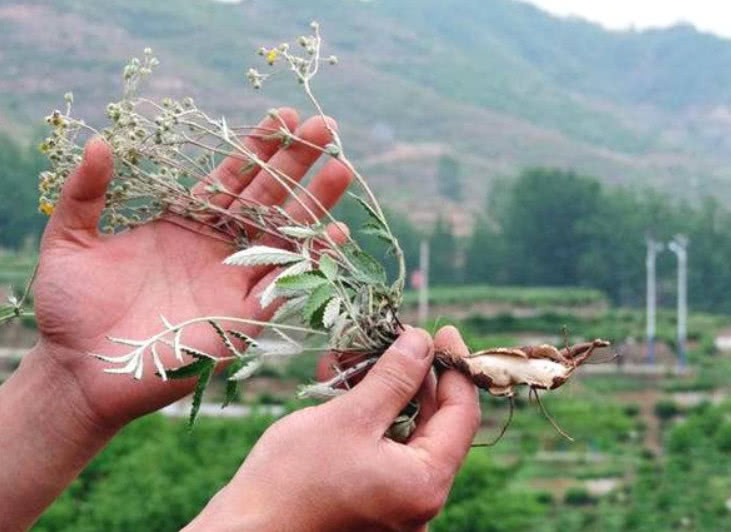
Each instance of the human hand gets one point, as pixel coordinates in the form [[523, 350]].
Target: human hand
[[92, 286], [331, 468]]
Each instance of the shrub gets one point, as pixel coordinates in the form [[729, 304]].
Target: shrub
[[579, 496]]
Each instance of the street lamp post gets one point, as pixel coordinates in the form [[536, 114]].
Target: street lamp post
[[653, 248], [679, 246]]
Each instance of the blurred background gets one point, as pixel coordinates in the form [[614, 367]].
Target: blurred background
[[545, 162]]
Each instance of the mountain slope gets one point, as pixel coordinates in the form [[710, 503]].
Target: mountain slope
[[497, 84]]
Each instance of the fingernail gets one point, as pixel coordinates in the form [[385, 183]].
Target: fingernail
[[412, 343]]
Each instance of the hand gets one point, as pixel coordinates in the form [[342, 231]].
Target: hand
[[91, 286], [331, 468]]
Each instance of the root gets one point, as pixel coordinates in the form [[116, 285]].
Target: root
[[503, 430], [500, 371], [548, 416]]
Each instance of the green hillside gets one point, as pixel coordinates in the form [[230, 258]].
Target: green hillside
[[497, 84]]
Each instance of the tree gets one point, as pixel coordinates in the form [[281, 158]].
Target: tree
[[448, 178], [545, 225], [485, 255], [19, 217], [442, 254]]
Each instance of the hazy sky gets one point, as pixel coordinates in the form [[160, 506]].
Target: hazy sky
[[708, 15]]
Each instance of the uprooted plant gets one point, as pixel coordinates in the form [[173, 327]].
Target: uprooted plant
[[329, 293]]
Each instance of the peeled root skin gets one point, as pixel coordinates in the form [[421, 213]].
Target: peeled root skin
[[499, 371]]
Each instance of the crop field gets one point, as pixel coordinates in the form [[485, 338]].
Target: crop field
[[516, 295]]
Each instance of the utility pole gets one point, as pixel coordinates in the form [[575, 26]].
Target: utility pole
[[679, 246], [653, 248], [424, 286]]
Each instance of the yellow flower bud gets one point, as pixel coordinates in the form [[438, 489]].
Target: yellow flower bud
[[46, 208], [272, 56]]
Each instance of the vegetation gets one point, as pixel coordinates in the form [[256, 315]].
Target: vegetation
[[20, 165], [493, 76], [544, 239], [533, 296], [560, 228], [507, 488]]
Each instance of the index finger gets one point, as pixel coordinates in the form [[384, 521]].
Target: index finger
[[447, 435]]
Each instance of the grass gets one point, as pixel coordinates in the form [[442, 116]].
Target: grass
[[516, 295]]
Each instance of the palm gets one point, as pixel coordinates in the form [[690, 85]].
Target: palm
[[120, 287], [92, 287]]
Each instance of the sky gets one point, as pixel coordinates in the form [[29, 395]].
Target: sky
[[708, 15]]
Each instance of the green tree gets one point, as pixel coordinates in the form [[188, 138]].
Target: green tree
[[19, 217], [709, 252], [443, 255], [545, 226], [485, 255], [448, 178]]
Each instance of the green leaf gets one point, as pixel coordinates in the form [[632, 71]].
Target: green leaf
[[375, 230], [318, 317], [204, 377], [232, 387], [303, 281], [328, 267], [289, 308], [248, 340], [371, 212], [224, 338], [317, 301], [190, 370], [368, 269]]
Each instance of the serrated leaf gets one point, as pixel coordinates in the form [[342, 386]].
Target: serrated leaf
[[232, 386], [245, 371], [317, 300], [272, 347], [303, 281], [371, 212], [271, 293], [248, 340], [328, 267], [224, 338], [289, 307], [339, 326], [377, 231], [262, 255], [204, 377], [195, 353], [298, 231], [367, 269], [189, 370], [331, 312]]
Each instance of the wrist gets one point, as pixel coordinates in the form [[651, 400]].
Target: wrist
[[218, 517], [49, 434], [238, 509]]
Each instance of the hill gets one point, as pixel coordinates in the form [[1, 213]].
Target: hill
[[497, 85]]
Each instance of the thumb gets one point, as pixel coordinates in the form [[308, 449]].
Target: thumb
[[82, 198], [394, 380]]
